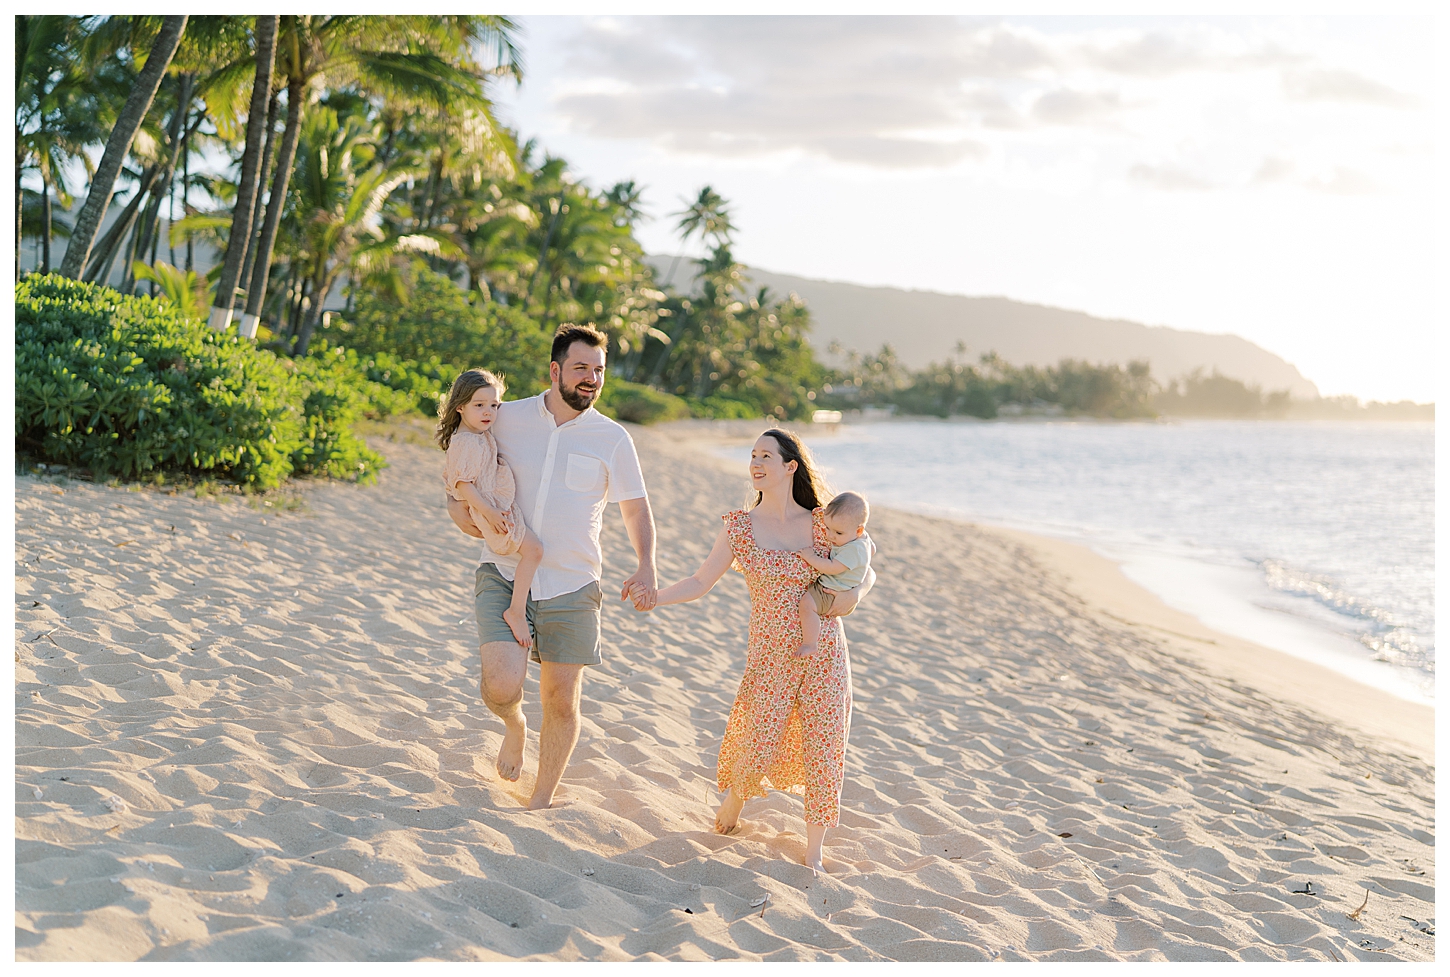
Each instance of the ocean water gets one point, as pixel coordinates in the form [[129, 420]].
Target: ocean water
[[1315, 538]]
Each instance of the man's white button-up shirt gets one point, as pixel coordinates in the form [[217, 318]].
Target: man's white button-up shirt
[[565, 475]]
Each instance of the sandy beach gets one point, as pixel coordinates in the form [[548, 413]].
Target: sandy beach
[[254, 733]]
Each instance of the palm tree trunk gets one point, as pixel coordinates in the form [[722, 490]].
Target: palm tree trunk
[[19, 203], [185, 205], [138, 103], [259, 205], [240, 237], [110, 243], [150, 227], [285, 158], [314, 314], [45, 219]]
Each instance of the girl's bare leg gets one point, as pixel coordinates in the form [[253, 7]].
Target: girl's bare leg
[[810, 628], [815, 838], [531, 554]]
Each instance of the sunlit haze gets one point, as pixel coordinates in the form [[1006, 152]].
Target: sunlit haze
[[1269, 177]]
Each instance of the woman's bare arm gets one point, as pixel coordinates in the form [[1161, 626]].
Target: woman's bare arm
[[847, 600], [699, 583]]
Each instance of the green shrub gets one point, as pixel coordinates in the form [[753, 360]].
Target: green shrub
[[441, 323], [124, 385], [722, 408], [639, 404], [424, 384]]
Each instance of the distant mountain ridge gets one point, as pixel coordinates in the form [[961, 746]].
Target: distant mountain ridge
[[926, 326]]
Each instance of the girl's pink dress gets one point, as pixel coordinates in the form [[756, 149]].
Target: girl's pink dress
[[474, 458], [790, 719]]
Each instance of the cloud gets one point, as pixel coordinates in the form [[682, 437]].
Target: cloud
[[1342, 181], [1067, 107], [886, 92], [1332, 85], [1166, 177], [934, 92]]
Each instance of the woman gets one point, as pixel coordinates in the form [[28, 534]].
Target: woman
[[790, 718]]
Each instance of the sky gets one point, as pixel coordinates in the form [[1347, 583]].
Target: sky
[[1271, 177]]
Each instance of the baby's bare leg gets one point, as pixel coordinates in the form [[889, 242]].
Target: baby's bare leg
[[810, 627], [531, 554]]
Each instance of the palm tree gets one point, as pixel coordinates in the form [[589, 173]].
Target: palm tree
[[240, 235], [708, 215], [57, 114], [411, 60], [337, 197], [119, 144]]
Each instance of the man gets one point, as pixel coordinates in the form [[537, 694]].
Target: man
[[568, 462]]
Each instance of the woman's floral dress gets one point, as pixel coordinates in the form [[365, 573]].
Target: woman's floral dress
[[789, 722]]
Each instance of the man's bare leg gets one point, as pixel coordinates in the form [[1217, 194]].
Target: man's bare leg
[[559, 687], [501, 684]]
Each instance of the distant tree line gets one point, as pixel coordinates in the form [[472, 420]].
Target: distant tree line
[[991, 387]]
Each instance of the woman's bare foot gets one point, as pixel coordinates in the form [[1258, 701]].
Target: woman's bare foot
[[510, 762], [518, 621], [815, 838], [727, 818]]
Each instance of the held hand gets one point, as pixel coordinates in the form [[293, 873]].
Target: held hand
[[640, 587]]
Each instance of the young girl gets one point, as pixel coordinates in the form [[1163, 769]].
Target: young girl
[[474, 474]]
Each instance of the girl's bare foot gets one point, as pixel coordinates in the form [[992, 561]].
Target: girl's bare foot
[[727, 818], [510, 762], [518, 621], [807, 650]]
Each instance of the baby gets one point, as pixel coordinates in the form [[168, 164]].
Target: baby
[[845, 518], [475, 475]]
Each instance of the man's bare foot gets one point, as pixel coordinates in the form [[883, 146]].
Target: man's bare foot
[[727, 818], [510, 762], [518, 621], [537, 803], [807, 650]]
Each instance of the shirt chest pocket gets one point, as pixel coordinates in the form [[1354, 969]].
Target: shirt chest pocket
[[582, 473]]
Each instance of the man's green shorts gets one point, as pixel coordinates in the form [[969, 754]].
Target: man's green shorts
[[566, 628]]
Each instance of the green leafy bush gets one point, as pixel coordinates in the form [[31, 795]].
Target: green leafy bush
[[124, 385], [726, 408], [639, 404], [441, 323]]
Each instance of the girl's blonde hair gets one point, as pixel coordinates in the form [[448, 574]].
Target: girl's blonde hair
[[468, 383]]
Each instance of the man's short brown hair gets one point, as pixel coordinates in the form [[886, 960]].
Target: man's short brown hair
[[569, 334]]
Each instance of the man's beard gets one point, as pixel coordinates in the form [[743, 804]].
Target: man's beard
[[578, 399]]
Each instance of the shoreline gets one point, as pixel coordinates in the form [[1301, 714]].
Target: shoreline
[[1104, 588]]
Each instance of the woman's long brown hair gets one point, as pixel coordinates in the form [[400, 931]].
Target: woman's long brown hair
[[807, 488], [468, 383]]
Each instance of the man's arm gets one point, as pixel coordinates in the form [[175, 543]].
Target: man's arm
[[461, 516], [847, 600], [642, 586]]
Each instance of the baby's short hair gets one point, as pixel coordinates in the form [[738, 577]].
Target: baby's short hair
[[850, 506]]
